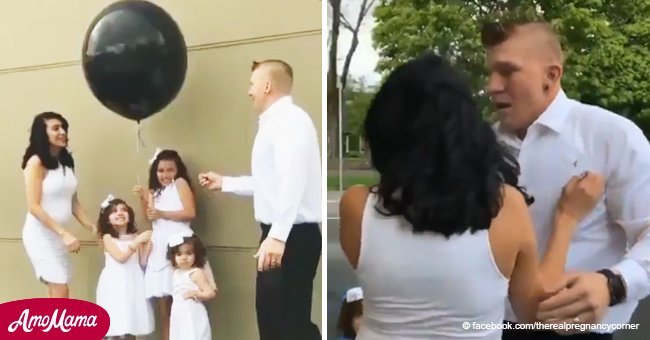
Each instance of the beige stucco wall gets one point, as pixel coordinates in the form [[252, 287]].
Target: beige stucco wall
[[210, 123]]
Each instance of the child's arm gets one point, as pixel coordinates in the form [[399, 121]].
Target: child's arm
[[187, 199], [205, 291], [144, 251], [144, 197], [119, 255]]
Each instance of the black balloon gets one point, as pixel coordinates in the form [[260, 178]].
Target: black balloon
[[134, 58]]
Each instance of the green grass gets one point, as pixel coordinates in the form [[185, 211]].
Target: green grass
[[370, 178]]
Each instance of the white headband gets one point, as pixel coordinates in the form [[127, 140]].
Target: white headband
[[354, 294], [178, 238], [107, 201], [155, 155]]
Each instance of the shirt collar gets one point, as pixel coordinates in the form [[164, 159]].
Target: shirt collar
[[274, 108], [556, 113]]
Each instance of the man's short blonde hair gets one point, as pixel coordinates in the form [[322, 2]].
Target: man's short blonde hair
[[495, 33], [280, 72]]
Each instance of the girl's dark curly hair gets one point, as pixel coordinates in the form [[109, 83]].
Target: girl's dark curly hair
[[39, 143], [200, 254], [104, 225], [440, 164], [181, 170], [349, 311]]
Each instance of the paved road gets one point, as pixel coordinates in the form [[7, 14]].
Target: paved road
[[340, 277]]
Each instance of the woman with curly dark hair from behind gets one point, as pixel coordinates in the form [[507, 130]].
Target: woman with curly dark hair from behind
[[446, 235]]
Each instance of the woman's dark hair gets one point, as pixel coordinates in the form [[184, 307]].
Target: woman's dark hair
[[104, 225], [39, 143], [199, 251], [167, 155], [349, 311], [440, 164]]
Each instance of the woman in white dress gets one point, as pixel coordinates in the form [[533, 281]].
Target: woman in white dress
[[52, 201], [120, 289]]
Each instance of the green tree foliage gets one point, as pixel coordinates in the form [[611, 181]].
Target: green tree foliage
[[357, 97]]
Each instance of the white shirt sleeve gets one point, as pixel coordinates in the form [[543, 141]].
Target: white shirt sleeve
[[627, 194], [242, 185], [291, 151]]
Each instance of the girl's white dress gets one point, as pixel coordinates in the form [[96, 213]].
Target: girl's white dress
[[120, 291], [158, 275], [189, 318], [159, 272], [44, 247]]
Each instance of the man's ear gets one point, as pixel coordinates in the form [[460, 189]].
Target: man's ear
[[267, 87], [554, 74]]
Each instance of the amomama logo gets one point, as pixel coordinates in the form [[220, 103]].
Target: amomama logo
[[46, 318]]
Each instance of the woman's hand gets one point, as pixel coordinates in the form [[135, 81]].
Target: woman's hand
[[70, 242], [580, 196]]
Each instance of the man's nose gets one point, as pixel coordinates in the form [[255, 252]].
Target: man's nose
[[495, 84]]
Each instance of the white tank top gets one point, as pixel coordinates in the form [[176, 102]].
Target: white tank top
[[423, 286]]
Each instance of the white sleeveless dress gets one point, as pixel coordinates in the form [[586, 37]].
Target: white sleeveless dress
[[120, 291], [44, 247], [188, 318], [158, 275], [423, 286]]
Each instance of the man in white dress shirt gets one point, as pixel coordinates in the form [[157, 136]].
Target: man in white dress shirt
[[286, 187], [554, 138]]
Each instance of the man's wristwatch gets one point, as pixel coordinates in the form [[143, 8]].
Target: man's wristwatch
[[615, 285]]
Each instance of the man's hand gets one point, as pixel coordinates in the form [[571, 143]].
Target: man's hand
[[584, 299], [211, 180], [270, 254]]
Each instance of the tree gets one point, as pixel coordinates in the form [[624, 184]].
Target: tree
[[339, 20], [332, 92], [357, 96], [364, 8], [606, 43]]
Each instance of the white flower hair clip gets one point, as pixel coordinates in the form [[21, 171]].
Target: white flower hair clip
[[178, 238], [354, 294], [107, 201], [155, 155]]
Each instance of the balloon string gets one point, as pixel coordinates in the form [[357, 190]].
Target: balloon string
[[138, 142]]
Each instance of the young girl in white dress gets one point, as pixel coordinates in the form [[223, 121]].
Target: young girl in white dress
[[189, 317], [169, 204], [120, 290]]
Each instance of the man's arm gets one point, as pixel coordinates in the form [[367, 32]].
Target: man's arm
[[291, 151], [628, 202], [242, 185]]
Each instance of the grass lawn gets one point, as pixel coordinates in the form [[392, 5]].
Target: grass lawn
[[369, 178]]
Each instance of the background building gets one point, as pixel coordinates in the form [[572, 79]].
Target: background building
[[210, 123]]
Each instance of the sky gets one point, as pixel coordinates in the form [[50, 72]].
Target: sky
[[365, 57]]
